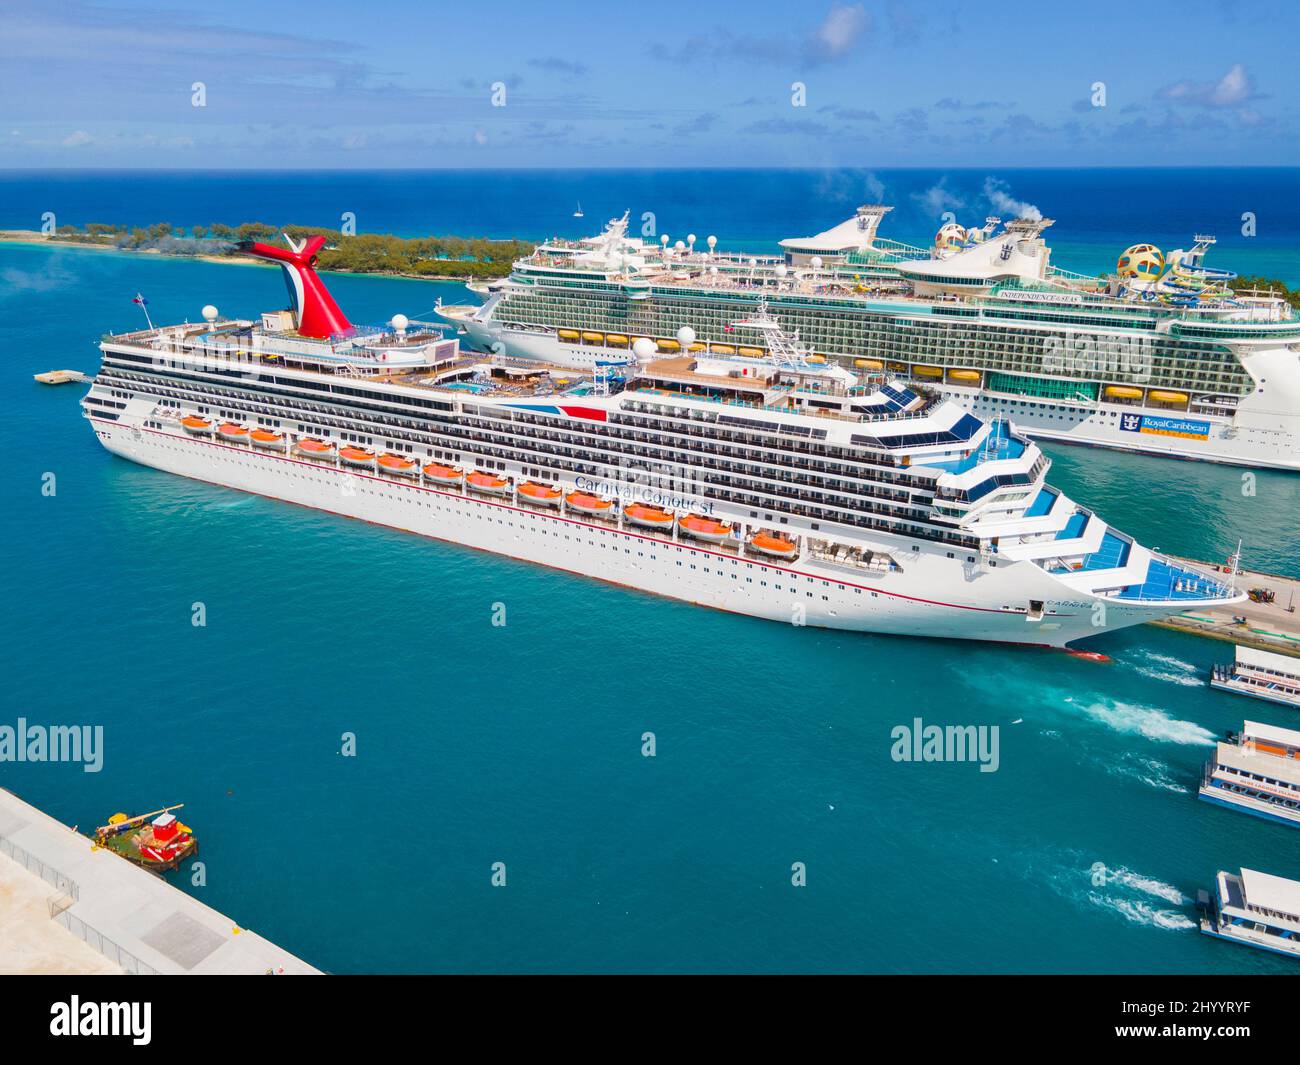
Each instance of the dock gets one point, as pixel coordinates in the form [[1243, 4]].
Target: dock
[[1267, 626], [67, 906]]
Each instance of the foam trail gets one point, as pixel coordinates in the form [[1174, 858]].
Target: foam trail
[[1152, 724]]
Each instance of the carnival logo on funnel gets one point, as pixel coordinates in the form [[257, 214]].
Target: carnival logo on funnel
[[318, 315]]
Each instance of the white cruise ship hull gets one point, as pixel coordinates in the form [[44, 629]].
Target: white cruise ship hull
[[934, 595]]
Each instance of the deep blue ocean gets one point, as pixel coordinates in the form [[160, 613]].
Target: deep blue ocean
[[521, 744]]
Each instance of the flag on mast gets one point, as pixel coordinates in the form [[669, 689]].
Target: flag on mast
[[144, 306]]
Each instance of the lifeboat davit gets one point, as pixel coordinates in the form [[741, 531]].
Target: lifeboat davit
[[640, 514], [546, 495], [196, 425], [266, 438], [704, 528], [316, 449], [774, 546], [488, 482], [356, 456], [397, 464], [233, 431], [440, 474], [583, 503]]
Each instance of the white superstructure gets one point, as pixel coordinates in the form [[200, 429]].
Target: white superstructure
[[1161, 356], [779, 488]]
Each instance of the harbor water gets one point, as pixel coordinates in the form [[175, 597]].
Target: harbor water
[[523, 743]]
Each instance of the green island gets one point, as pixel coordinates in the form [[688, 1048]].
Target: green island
[[1247, 284], [453, 258]]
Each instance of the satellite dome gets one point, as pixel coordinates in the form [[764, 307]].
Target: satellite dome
[[643, 348], [400, 322], [950, 237], [781, 270], [815, 262], [686, 336], [209, 313], [1142, 262], [712, 241]]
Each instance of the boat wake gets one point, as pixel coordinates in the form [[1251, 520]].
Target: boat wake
[[1134, 896], [1149, 771], [1148, 722], [1169, 669]]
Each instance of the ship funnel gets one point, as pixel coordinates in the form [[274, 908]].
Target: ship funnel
[[318, 315]]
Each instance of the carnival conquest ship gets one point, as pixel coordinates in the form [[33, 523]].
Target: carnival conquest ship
[[1160, 357], [776, 487]]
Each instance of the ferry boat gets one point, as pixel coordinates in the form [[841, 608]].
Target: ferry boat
[[1258, 909], [870, 504], [1258, 771], [1161, 356], [1260, 674]]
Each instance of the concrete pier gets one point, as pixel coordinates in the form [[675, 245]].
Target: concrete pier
[[67, 906], [1268, 626]]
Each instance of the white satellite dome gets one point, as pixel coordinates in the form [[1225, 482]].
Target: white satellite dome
[[686, 336], [643, 348], [712, 242], [209, 313], [400, 322], [680, 245], [781, 270], [815, 262]]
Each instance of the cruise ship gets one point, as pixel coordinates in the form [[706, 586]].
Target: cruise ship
[[776, 487], [1257, 771], [1159, 357]]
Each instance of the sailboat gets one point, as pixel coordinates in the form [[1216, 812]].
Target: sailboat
[[578, 212]]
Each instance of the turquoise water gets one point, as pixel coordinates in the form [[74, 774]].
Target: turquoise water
[[522, 744]]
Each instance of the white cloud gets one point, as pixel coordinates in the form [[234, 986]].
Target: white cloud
[[1230, 92], [841, 29], [77, 139]]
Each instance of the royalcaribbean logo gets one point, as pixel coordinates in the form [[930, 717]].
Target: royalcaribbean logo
[[1154, 425]]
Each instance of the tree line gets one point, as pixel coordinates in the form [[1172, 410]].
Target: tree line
[[364, 253]]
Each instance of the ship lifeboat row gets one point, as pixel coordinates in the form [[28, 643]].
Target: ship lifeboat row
[[267, 438], [196, 426], [773, 546], [440, 474], [233, 432], [357, 456], [584, 503], [708, 529]]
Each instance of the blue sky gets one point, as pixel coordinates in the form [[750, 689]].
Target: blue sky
[[86, 83]]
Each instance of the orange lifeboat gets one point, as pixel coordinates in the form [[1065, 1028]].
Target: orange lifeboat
[[266, 438], [583, 503], [440, 474], [316, 449], [357, 456], [775, 546], [397, 464], [546, 495], [196, 425], [649, 517], [489, 483], [704, 528], [233, 432]]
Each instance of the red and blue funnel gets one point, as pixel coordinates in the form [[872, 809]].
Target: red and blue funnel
[[318, 315]]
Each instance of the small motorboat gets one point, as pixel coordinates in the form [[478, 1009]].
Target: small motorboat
[[773, 546], [234, 432], [542, 494], [157, 841], [440, 474], [390, 463], [583, 503], [315, 449], [357, 456], [488, 482], [648, 517], [267, 438], [192, 423], [708, 529]]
